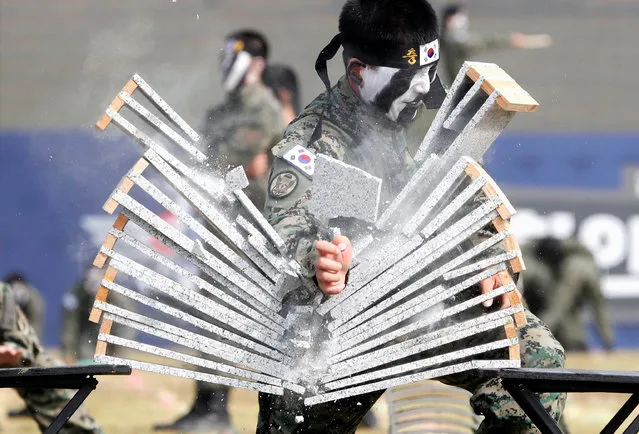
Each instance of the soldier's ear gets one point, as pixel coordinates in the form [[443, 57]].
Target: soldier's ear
[[354, 69]]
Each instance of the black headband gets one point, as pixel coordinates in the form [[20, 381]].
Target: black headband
[[380, 54]]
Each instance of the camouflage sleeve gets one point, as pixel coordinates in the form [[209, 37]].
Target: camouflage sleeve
[[262, 129], [569, 284], [15, 330], [289, 194]]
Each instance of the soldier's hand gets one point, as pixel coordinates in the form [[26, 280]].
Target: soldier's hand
[[10, 356], [491, 283], [332, 264]]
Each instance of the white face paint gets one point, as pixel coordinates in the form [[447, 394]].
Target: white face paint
[[417, 90], [237, 71], [375, 80]]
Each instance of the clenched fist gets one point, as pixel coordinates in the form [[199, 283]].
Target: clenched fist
[[332, 264]]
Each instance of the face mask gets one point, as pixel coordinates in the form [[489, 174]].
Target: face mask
[[235, 64], [397, 92]]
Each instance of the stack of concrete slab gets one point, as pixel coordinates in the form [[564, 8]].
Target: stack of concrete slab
[[411, 310]]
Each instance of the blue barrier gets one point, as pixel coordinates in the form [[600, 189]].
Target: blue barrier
[[50, 179]]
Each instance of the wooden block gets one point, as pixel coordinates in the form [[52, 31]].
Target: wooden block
[[519, 317], [513, 350], [105, 328], [491, 189], [515, 298], [120, 222], [102, 294], [500, 224], [516, 264], [110, 240], [512, 97], [116, 105], [126, 184]]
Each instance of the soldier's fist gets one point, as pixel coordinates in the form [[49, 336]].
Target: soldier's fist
[[332, 264]]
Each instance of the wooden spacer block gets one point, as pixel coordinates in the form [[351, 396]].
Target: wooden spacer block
[[110, 240], [120, 222], [102, 294], [513, 350], [516, 264], [519, 317], [491, 189], [500, 224], [105, 328], [116, 105], [512, 97], [126, 184], [514, 297]]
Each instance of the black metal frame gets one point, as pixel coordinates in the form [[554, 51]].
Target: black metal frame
[[523, 383], [61, 377]]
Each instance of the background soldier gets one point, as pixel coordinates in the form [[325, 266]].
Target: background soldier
[[282, 80], [240, 131], [459, 45], [78, 333], [20, 347], [561, 281], [361, 122], [29, 300]]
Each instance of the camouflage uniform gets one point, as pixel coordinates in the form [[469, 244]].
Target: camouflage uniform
[[458, 46], [44, 404], [559, 296], [248, 123], [31, 303], [358, 135]]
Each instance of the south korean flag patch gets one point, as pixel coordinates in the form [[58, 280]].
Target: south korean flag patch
[[301, 158], [429, 53]]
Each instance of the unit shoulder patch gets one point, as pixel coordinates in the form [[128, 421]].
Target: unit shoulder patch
[[283, 184]]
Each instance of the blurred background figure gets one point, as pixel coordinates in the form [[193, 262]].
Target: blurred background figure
[[20, 347], [459, 45], [239, 132], [28, 299], [242, 130], [282, 80], [77, 332], [31, 303], [560, 283]]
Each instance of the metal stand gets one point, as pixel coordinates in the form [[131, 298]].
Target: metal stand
[[63, 377], [521, 383]]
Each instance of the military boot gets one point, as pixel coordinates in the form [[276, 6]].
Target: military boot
[[208, 413]]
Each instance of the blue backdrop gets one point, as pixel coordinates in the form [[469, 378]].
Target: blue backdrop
[[50, 179]]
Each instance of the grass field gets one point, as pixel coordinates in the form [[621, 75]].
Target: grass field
[[130, 405]]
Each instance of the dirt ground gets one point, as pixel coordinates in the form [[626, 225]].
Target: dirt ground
[[127, 405]]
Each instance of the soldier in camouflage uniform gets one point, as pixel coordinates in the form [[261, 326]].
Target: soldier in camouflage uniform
[[242, 130], [239, 132], [29, 300], [561, 280], [20, 347], [459, 45], [361, 122]]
